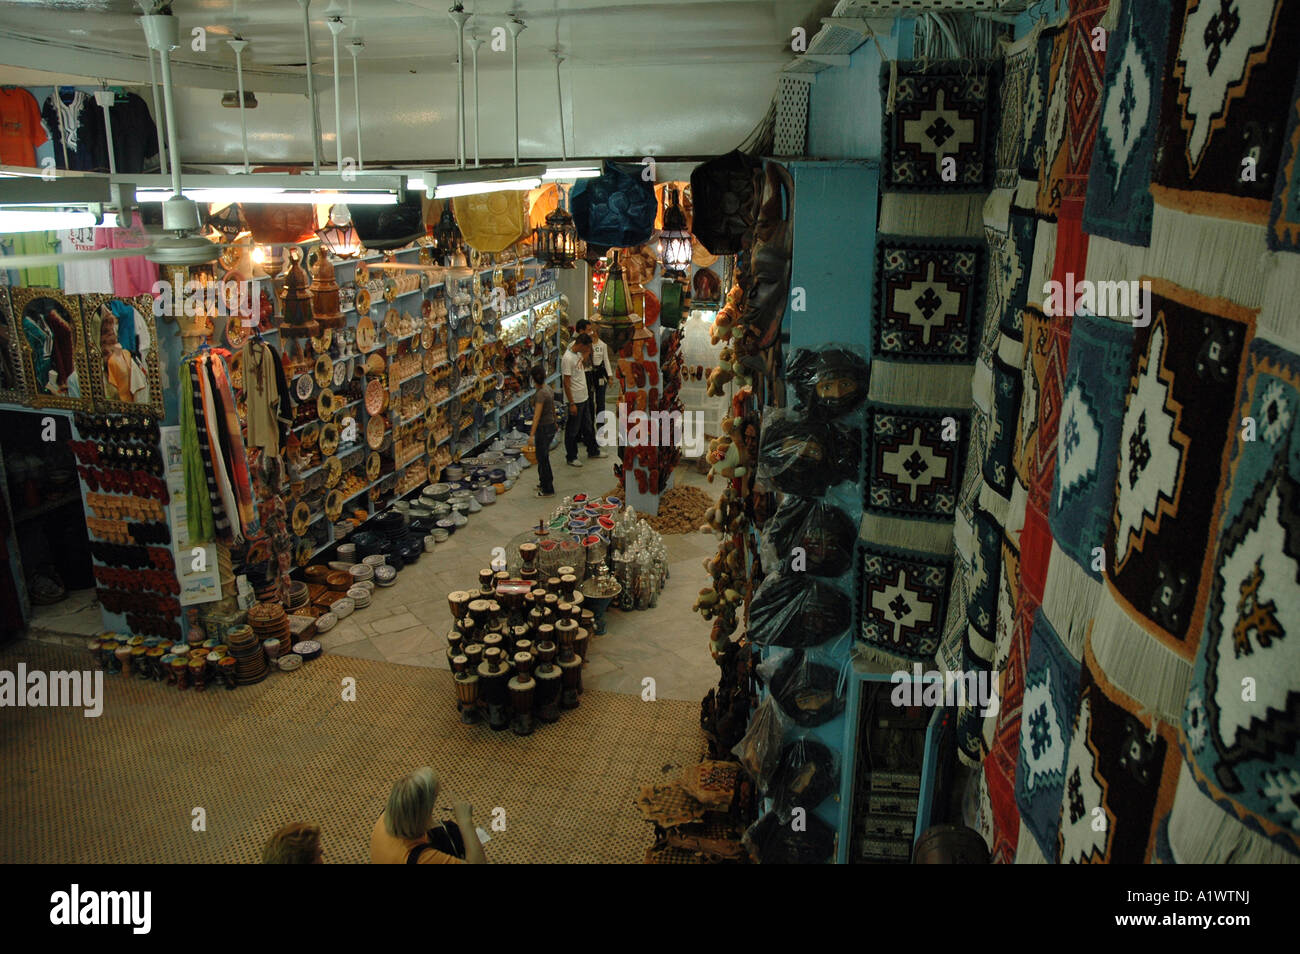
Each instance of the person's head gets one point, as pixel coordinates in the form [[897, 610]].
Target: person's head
[[410, 804], [584, 326], [582, 344], [297, 843], [107, 330], [538, 374]]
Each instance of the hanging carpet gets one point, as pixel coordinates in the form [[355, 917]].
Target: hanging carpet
[[1284, 216]]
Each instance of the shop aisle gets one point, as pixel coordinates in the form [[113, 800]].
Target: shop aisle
[[407, 623], [123, 787]]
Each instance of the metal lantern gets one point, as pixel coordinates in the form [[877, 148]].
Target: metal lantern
[[338, 236], [674, 239], [556, 242], [616, 323], [447, 234]]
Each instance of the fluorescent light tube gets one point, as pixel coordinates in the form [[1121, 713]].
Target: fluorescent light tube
[[270, 196], [41, 220], [453, 189], [565, 173]]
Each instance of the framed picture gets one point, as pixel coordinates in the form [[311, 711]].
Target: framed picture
[[13, 380], [53, 346], [122, 352]]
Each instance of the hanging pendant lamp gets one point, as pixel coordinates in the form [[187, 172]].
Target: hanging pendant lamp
[[617, 324], [556, 242], [674, 239]]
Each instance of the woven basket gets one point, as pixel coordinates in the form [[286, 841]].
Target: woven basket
[[531, 453]]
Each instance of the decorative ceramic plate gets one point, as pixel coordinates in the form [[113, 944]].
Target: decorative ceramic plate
[[329, 439], [477, 362], [427, 336], [324, 370], [428, 361], [375, 428], [301, 518], [362, 301], [392, 321], [376, 397], [334, 504], [325, 404], [365, 333], [236, 333], [303, 553], [333, 471], [390, 290], [342, 371], [372, 467], [304, 387], [477, 311], [322, 344], [431, 443], [362, 274], [292, 662]]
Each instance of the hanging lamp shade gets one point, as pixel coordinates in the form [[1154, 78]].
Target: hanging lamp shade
[[616, 322], [724, 194], [226, 220], [492, 221], [286, 224], [383, 227], [617, 208], [446, 234], [338, 236]]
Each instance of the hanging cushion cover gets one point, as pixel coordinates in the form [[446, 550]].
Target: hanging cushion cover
[[615, 209]]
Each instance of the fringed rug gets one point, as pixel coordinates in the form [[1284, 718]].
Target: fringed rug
[[943, 109], [1052, 156], [1284, 217], [1242, 720], [902, 602], [1120, 776], [1119, 198], [1087, 447], [1085, 66], [1047, 713], [1178, 419], [1226, 95], [1038, 99], [1000, 763], [928, 297]]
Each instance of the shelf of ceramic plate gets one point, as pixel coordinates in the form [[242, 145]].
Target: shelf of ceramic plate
[[403, 421], [341, 452], [409, 377]]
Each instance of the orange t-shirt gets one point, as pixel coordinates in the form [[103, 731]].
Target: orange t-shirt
[[20, 128], [386, 849]]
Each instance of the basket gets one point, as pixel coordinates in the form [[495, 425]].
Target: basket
[[530, 452]]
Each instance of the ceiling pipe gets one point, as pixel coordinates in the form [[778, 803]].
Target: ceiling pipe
[[158, 120], [559, 97], [355, 48], [336, 27], [311, 87], [239, 45], [516, 27], [475, 42], [458, 17]]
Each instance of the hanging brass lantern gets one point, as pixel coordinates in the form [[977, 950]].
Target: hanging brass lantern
[[447, 235], [616, 322], [338, 237], [556, 242]]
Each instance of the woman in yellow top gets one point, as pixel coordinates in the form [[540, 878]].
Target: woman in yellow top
[[403, 832]]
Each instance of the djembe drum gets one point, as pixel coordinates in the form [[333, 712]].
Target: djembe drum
[[479, 612], [528, 557], [549, 683], [486, 581], [568, 585], [580, 650], [474, 653], [459, 601], [494, 641], [467, 687], [570, 680], [493, 678], [566, 630], [522, 688]]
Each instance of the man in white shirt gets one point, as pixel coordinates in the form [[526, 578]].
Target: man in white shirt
[[578, 426], [601, 370]]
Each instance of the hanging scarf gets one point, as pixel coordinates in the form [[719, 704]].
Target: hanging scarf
[[69, 115], [237, 458], [220, 471], [198, 504], [220, 522]]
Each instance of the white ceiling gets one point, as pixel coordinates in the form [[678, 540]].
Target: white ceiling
[[640, 77]]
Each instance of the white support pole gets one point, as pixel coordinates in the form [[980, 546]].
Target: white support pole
[[239, 44], [475, 43], [459, 16], [311, 87], [158, 120], [336, 27], [515, 27], [559, 98], [355, 47]]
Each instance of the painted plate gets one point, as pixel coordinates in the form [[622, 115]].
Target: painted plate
[[477, 311], [428, 361], [372, 467], [301, 517], [334, 505], [310, 435], [304, 387], [324, 370], [333, 471], [342, 371], [478, 337], [425, 280], [427, 336], [376, 397], [390, 290], [362, 274], [366, 333], [392, 321], [236, 333], [375, 428], [325, 404], [329, 439], [362, 301]]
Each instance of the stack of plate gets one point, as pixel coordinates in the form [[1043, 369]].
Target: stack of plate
[[375, 560], [385, 575], [348, 552], [342, 608], [360, 597], [246, 649], [298, 596], [362, 572]]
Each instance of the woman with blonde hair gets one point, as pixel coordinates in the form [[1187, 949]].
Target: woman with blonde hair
[[406, 833]]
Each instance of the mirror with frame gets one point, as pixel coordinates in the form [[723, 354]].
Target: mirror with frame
[[122, 351], [53, 346], [13, 382]]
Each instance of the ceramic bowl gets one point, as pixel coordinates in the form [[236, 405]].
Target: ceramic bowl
[[375, 560], [290, 663], [343, 608], [430, 541], [385, 576], [362, 571], [325, 622]]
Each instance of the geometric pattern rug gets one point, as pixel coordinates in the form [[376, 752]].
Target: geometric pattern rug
[[121, 788]]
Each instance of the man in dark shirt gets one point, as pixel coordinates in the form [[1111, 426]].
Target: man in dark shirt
[[543, 431]]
